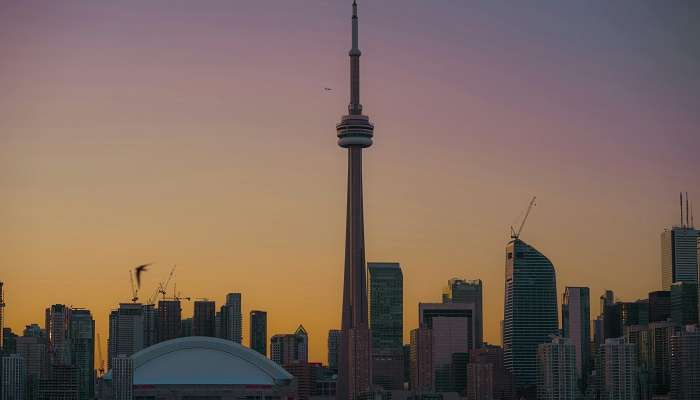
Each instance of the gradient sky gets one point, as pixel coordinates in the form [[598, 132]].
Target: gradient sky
[[199, 134]]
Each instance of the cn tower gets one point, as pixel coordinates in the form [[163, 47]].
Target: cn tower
[[354, 133]]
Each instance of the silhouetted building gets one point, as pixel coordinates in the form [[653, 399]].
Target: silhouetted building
[[2, 316], [333, 348], [14, 377], [204, 319], [187, 327], [464, 291], [679, 257], [576, 326], [57, 328], [685, 364], [33, 349], [232, 319], [480, 382], [530, 313], [286, 349], [169, 320], [617, 372], [386, 324], [303, 373], [82, 339], [9, 340], [126, 331], [355, 133], [150, 325], [684, 303], [63, 384], [659, 306], [556, 373], [123, 378], [421, 360], [258, 331], [486, 367], [660, 334]]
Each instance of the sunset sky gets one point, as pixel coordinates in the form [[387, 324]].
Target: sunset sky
[[198, 133]]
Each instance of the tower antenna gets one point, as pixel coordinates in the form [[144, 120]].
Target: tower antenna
[[681, 202], [687, 224]]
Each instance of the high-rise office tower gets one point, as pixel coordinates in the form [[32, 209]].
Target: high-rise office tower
[[232, 319], [638, 336], [576, 326], [386, 324], [659, 306], [169, 320], [333, 348], [618, 375], [685, 364], [82, 338], [57, 328], [530, 312], [684, 303], [679, 255], [421, 360], [63, 384], [258, 331], [556, 372], [33, 350], [2, 315], [290, 348], [14, 376], [660, 334], [465, 291], [451, 328], [126, 331], [123, 378], [186, 327], [204, 320], [486, 366], [150, 325], [355, 133]]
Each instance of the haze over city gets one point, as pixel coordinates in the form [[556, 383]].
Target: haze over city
[[201, 136]]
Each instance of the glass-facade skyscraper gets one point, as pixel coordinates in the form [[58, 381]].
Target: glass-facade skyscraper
[[258, 331], [232, 319], [386, 324], [679, 256], [204, 319], [576, 325], [530, 312], [82, 337], [465, 291]]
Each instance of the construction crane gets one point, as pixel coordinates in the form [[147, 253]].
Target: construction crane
[[101, 369], [162, 287], [516, 234], [134, 290]]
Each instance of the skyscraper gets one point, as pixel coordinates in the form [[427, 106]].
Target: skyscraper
[[290, 348], [150, 325], [530, 312], [421, 360], [169, 320], [82, 338], [576, 325], [464, 291], [204, 320], [684, 303], [14, 375], [386, 324], [57, 328], [258, 331], [679, 256], [2, 315], [479, 375], [232, 319], [333, 348], [659, 306], [556, 377], [126, 332], [123, 378], [685, 367], [355, 133], [618, 375], [659, 335]]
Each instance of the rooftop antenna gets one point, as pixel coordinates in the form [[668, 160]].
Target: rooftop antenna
[[687, 224], [692, 223], [681, 194]]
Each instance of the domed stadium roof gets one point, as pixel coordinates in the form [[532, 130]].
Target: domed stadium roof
[[197, 360]]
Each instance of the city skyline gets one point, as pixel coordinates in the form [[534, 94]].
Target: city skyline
[[86, 201]]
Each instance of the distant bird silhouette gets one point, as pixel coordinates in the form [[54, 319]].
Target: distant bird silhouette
[[327, 89], [139, 270]]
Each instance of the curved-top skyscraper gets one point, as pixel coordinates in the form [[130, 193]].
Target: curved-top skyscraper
[[530, 311], [354, 133]]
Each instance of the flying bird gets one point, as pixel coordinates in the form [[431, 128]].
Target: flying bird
[[327, 89], [139, 270]]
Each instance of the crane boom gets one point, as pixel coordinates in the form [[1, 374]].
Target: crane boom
[[516, 234]]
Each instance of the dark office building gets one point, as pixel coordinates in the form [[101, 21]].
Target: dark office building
[[684, 303], [204, 320], [169, 320], [386, 324], [82, 347], [258, 331], [659, 306]]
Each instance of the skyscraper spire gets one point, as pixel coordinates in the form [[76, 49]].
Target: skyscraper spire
[[355, 108]]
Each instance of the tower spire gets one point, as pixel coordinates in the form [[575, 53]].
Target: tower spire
[[355, 108]]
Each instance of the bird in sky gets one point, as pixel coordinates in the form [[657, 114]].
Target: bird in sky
[[327, 89], [139, 270]]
